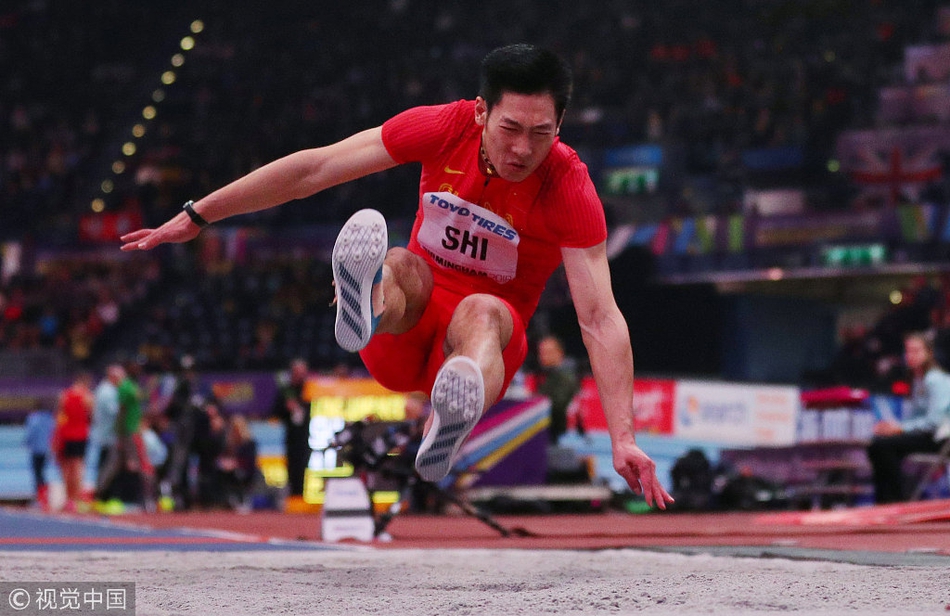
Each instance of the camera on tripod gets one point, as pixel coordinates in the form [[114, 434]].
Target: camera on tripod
[[375, 445], [384, 454]]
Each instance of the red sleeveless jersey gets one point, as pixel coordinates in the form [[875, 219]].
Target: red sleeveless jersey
[[74, 424], [483, 234]]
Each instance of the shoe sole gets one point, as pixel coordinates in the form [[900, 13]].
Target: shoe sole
[[457, 400], [357, 259]]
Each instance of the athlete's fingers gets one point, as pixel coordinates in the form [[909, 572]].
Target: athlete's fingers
[[133, 240], [643, 481], [632, 477], [648, 484], [135, 235], [134, 245], [657, 494]]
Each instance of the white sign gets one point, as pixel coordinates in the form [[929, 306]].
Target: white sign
[[347, 511], [736, 414]]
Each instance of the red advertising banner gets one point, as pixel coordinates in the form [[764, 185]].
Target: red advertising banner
[[653, 401], [108, 227]]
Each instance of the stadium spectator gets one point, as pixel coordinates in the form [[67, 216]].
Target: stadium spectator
[[180, 408], [557, 379], [293, 412], [37, 436], [209, 443], [238, 472], [916, 433], [105, 412], [128, 457], [71, 437]]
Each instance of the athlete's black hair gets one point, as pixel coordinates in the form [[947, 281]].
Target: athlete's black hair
[[526, 69]]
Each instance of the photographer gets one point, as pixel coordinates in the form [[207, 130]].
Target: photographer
[[294, 413]]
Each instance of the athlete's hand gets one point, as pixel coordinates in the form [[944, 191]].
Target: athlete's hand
[[177, 230], [640, 472]]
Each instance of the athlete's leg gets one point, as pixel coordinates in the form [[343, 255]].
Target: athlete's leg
[[377, 289], [471, 379], [407, 286], [480, 329]]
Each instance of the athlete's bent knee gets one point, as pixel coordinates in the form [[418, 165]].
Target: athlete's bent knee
[[482, 312], [408, 266]]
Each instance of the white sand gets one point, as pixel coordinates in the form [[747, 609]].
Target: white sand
[[436, 582]]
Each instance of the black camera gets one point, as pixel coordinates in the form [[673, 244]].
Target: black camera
[[368, 445]]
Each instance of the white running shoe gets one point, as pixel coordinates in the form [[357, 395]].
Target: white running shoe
[[357, 261], [457, 400]]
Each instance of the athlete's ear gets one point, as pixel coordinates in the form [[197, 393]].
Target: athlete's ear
[[481, 111]]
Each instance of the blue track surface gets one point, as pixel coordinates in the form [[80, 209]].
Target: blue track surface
[[26, 531]]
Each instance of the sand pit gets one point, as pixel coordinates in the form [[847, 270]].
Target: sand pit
[[503, 582]]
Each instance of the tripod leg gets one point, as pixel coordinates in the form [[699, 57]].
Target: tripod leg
[[446, 496], [481, 515], [472, 511], [383, 521]]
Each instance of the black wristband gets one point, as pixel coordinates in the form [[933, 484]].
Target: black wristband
[[195, 216]]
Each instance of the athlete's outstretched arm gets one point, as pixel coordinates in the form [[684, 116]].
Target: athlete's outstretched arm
[[611, 358], [295, 176]]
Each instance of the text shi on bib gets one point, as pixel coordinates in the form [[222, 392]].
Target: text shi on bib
[[469, 238]]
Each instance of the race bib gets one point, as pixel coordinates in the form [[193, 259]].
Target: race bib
[[466, 237]]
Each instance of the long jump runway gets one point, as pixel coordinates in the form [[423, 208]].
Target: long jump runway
[[20, 530], [877, 560]]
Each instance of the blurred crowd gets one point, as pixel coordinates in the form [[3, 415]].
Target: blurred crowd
[[128, 437], [71, 81], [72, 304], [251, 317], [151, 443], [263, 80], [872, 356]]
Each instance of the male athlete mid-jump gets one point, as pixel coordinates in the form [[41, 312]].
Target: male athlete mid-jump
[[502, 203]]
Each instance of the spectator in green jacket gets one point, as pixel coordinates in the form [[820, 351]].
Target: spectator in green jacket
[[558, 381]]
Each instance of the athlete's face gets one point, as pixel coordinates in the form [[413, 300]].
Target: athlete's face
[[518, 132]]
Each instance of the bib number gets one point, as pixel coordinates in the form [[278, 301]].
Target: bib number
[[466, 237]]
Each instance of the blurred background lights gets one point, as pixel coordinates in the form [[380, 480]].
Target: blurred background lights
[[149, 112], [896, 297]]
